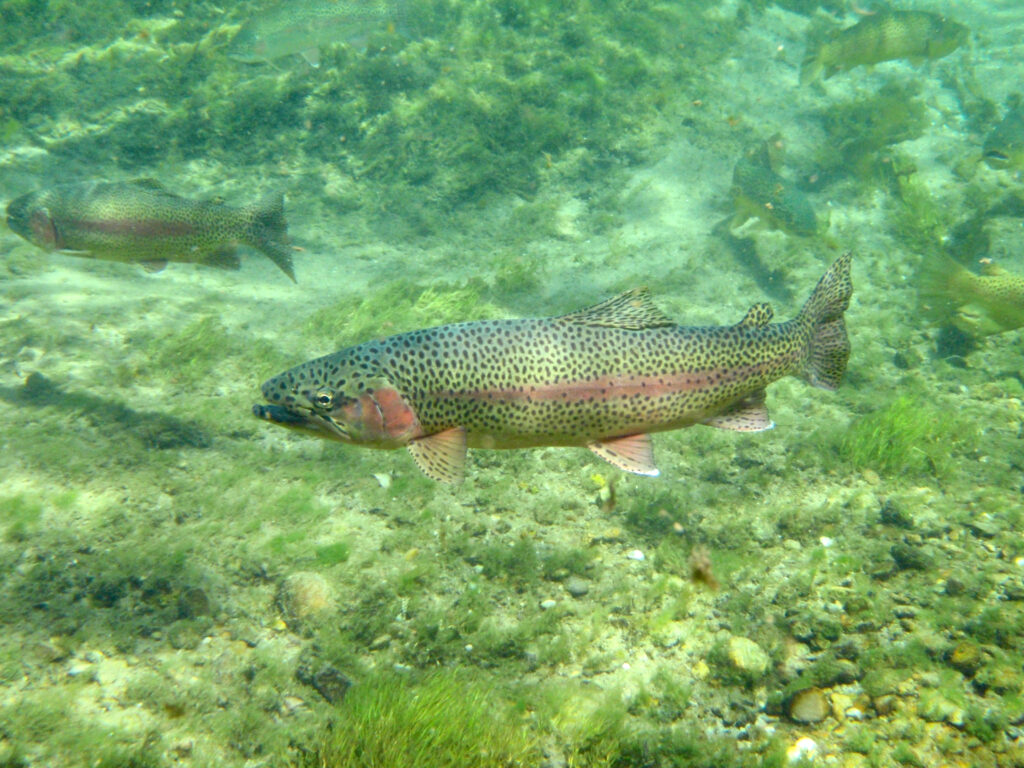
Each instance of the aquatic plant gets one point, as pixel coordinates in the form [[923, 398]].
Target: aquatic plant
[[907, 436], [859, 128], [446, 720], [919, 220]]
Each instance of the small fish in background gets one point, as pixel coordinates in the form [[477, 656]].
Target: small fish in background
[[884, 36], [140, 222], [604, 377], [1004, 146], [978, 305], [759, 192], [303, 26]]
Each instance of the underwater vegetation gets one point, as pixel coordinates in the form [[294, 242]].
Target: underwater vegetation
[[861, 128], [908, 436]]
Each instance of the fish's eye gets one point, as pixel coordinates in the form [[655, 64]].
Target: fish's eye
[[323, 399]]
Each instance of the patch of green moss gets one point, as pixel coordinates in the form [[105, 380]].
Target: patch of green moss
[[919, 220], [861, 127], [398, 306], [19, 516], [447, 720], [909, 436]]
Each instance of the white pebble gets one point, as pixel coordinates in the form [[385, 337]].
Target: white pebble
[[548, 604], [804, 749], [826, 541], [636, 554], [383, 478]]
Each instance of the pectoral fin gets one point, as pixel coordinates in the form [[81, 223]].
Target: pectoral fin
[[633, 453], [441, 456]]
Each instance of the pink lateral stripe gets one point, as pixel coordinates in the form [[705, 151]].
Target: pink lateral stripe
[[604, 389], [139, 227]]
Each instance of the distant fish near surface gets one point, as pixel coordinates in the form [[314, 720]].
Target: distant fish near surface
[[141, 222], [303, 26], [603, 377], [759, 192], [979, 305], [885, 36], [1004, 146]]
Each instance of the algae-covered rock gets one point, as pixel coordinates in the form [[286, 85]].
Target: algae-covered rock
[[747, 657]]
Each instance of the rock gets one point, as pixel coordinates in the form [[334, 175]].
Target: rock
[[966, 657], [747, 657], [934, 707], [303, 595], [329, 681], [885, 705], [809, 706], [193, 602], [547, 605], [909, 557], [576, 586]]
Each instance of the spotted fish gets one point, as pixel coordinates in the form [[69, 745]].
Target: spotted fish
[[884, 36], [603, 377], [141, 222]]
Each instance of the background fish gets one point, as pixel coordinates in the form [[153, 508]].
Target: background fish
[[1004, 146], [884, 36], [302, 27], [603, 377], [759, 192], [979, 305], [141, 222]]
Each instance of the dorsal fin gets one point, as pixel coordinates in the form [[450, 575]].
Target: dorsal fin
[[758, 316], [632, 310]]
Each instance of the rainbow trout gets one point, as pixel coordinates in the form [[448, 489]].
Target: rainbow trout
[[304, 26], [1004, 146], [141, 222], [885, 36], [759, 192], [979, 305], [603, 377]]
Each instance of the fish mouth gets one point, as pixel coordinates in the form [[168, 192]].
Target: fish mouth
[[301, 420]]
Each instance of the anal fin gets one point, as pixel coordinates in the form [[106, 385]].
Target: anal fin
[[633, 453], [747, 415], [441, 456]]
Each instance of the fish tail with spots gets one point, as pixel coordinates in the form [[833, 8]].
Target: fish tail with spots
[[828, 346]]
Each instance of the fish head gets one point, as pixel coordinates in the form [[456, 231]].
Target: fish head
[[29, 217], [1004, 146], [350, 403]]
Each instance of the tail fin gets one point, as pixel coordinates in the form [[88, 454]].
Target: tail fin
[[828, 347], [269, 232]]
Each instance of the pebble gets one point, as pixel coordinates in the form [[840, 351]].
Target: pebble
[[747, 656], [804, 749], [576, 586], [548, 604], [304, 594], [809, 706], [636, 554], [966, 657]]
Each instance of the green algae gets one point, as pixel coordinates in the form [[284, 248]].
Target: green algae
[[447, 720], [861, 128], [907, 436], [398, 306]]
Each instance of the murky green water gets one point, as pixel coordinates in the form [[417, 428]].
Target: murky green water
[[184, 584]]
